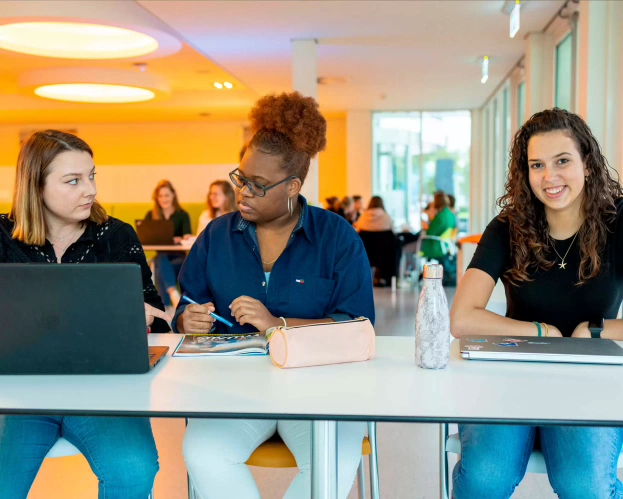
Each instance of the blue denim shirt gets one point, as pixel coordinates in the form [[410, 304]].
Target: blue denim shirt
[[323, 272]]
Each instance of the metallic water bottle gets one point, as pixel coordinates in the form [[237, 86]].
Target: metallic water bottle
[[432, 322]]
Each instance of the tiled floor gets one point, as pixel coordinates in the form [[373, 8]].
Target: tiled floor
[[408, 453]]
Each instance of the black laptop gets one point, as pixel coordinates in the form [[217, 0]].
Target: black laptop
[[155, 232], [74, 319]]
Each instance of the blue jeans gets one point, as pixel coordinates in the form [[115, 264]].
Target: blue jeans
[[581, 462], [121, 452], [167, 267]]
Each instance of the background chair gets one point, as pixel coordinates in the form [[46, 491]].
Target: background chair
[[62, 448], [274, 453], [383, 250], [448, 247]]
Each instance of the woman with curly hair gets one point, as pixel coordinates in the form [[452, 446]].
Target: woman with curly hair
[[276, 261], [556, 246]]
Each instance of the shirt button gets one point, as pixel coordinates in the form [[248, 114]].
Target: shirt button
[[264, 283]]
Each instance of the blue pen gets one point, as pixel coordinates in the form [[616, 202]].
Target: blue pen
[[217, 317]]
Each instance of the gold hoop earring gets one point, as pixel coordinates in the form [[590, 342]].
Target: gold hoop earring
[[290, 209]]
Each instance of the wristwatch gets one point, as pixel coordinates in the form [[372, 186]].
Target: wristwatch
[[596, 327]]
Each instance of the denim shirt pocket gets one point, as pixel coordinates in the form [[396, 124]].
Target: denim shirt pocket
[[310, 297]]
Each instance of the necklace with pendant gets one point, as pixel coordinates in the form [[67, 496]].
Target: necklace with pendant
[[562, 265]]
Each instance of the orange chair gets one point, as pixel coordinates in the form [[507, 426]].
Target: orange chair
[[274, 453]]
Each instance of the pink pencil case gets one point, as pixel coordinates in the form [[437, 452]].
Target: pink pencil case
[[322, 344]]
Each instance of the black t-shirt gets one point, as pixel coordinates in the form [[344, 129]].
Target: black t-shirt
[[112, 242], [553, 296]]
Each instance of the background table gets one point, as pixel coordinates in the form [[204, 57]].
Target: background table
[[165, 247]]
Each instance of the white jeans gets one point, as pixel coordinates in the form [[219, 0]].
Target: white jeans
[[216, 450]]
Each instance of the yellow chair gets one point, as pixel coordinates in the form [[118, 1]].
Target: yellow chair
[[274, 453], [62, 448]]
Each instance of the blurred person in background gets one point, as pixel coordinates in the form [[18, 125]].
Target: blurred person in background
[[375, 218], [221, 200]]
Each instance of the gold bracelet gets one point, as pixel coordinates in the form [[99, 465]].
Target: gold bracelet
[[546, 329]]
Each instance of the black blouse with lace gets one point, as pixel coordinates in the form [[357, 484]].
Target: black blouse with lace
[[112, 242]]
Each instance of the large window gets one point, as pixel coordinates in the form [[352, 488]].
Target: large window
[[417, 154], [521, 104], [564, 78]]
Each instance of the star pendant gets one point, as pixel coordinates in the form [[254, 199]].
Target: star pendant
[[562, 265]]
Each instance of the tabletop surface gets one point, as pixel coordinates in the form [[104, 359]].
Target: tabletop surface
[[164, 247], [388, 388]]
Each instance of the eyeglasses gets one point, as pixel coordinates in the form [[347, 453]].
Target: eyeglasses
[[256, 189]]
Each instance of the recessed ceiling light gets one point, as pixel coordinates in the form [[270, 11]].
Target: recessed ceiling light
[[228, 85], [94, 92], [69, 40], [218, 85]]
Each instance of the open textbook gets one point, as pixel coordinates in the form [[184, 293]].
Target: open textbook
[[194, 346]]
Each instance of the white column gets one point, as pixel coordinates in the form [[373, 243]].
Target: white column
[[539, 64], [600, 101], [476, 177], [305, 81], [359, 154]]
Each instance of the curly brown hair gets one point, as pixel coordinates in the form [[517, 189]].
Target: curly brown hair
[[291, 126], [529, 231]]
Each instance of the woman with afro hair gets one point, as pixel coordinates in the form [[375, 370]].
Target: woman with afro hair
[[557, 246], [276, 261]]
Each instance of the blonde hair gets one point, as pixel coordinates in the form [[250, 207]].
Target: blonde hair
[[156, 212], [33, 168], [228, 191]]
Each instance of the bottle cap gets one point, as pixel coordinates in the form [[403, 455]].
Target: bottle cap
[[433, 271]]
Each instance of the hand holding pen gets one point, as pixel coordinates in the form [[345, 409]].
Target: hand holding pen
[[199, 319]]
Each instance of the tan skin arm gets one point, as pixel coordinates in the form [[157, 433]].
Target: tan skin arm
[[469, 314]]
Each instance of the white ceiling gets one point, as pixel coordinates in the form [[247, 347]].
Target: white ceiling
[[398, 55]]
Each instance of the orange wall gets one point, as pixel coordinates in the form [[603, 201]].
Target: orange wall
[[216, 143], [146, 143], [332, 161]]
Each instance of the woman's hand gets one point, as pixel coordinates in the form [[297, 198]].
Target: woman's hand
[[581, 331], [196, 319], [248, 310], [151, 313], [177, 240]]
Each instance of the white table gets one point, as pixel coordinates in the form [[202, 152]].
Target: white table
[[388, 388], [165, 247]]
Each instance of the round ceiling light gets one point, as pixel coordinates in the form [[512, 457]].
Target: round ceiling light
[[94, 85], [70, 40], [101, 93]]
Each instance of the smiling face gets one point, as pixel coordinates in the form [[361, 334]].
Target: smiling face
[[69, 190], [556, 171], [165, 198]]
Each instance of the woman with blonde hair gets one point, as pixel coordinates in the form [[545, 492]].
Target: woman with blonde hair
[[221, 200], [168, 263], [56, 219]]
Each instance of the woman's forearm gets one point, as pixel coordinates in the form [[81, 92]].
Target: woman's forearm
[[481, 321], [613, 330]]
